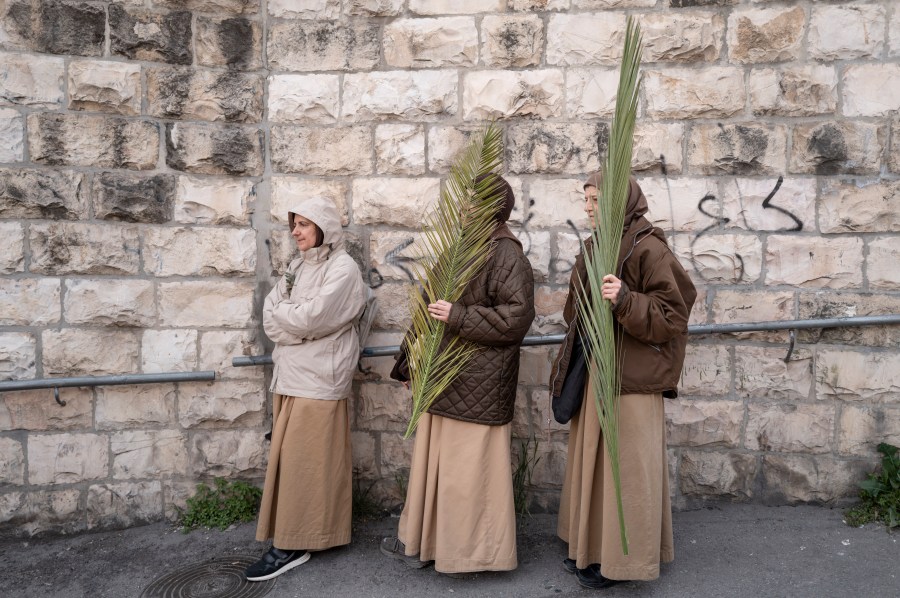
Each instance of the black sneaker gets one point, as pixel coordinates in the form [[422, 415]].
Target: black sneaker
[[274, 563], [590, 578], [394, 548], [570, 566]]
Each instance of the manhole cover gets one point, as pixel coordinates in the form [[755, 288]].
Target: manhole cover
[[218, 578]]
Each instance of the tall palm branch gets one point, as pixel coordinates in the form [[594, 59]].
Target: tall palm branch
[[595, 313], [456, 244]]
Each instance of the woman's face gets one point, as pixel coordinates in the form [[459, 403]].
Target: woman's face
[[590, 202], [304, 232]]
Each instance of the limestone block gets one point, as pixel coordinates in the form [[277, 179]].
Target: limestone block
[[322, 151], [379, 368], [713, 92], [428, 43], [323, 45], [42, 194], [225, 149], [199, 251], [148, 454], [894, 35], [455, 7], [139, 34], [832, 263], [109, 302], [825, 304], [881, 263], [538, 5], [34, 81], [105, 86], [550, 468], [733, 306], [790, 427], [747, 204], [374, 8], [674, 202], [706, 371], [568, 246], [39, 512], [591, 93], [223, 304], [704, 423], [512, 41], [134, 198], [577, 39], [175, 497], [74, 248], [405, 95], [535, 364], [859, 206], [548, 307], [12, 247], [723, 258], [717, 474], [605, 4], [682, 37], [536, 245], [364, 459], [213, 201], [235, 42], [29, 301], [803, 479], [699, 313], [234, 7], [73, 351], [761, 372], [282, 251], [124, 504], [193, 94], [385, 407], [82, 140], [12, 462], [857, 376], [503, 94], [229, 453], [393, 307], [396, 455], [766, 34], [309, 9], [221, 404], [655, 144], [846, 32], [289, 192], [445, 145], [397, 201], [304, 99], [556, 148], [862, 427], [17, 356], [742, 149], [67, 458], [838, 148], [400, 149], [795, 90], [74, 28], [871, 89], [394, 255], [556, 202], [893, 157], [12, 135], [168, 351], [139, 406], [218, 347], [35, 410]]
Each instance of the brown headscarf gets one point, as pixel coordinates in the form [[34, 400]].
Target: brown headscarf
[[509, 201], [636, 205]]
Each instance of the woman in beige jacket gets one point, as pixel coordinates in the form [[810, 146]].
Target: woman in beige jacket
[[311, 315]]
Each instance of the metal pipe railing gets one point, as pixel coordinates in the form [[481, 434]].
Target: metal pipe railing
[[57, 383]]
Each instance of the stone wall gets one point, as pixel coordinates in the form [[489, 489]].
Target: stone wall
[[149, 150]]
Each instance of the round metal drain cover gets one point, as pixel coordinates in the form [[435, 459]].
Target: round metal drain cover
[[218, 578]]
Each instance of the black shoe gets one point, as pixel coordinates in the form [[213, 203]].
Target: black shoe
[[570, 566], [394, 548], [590, 578], [274, 563]]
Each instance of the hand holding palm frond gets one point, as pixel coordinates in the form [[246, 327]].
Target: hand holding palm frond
[[456, 244], [595, 313]]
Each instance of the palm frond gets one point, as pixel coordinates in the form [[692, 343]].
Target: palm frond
[[595, 313], [456, 244]]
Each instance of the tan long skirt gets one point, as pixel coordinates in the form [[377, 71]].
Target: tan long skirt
[[307, 499], [459, 509], [588, 518]]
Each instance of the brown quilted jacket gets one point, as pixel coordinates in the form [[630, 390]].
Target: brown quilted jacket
[[495, 312]]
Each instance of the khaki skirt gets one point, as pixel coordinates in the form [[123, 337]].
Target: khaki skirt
[[459, 509], [308, 498], [588, 517]]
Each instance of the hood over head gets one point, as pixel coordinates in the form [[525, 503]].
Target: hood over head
[[636, 204], [324, 214], [509, 198]]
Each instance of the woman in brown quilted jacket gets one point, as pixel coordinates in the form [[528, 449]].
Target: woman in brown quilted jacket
[[652, 296], [459, 509]]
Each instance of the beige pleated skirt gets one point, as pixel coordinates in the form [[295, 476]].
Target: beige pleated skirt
[[308, 497], [588, 517], [459, 509]]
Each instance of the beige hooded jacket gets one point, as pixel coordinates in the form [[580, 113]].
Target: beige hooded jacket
[[313, 325]]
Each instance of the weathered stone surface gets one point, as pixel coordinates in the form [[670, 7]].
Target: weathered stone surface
[[221, 404], [761, 372], [393, 307], [73, 351], [790, 427], [550, 468], [304, 99], [82, 140], [375, 8], [105, 86], [379, 368], [766, 35], [67, 458], [534, 365], [109, 302], [591, 93], [824, 304], [148, 454], [548, 307], [29, 301], [229, 149], [206, 303], [862, 428], [143, 35], [796, 90], [428, 43], [512, 41], [322, 151], [722, 258], [536, 245], [235, 42], [717, 474], [846, 32], [894, 35], [396, 456], [445, 143], [309, 9], [385, 407], [17, 356], [717, 149], [503, 94], [289, 192], [12, 247], [218, 347], [706, 372], [731, 307], [451, 7], [139, 406], [175, 497], [168, 351], [655, 144], [39, 512], [193, 251], [700, 311], [857, 376], [323, 45], [556, 202], [678, 198], [213, 201], [36, 411], [131, 198], [556, 148], [859, 206], [682, 37], [393, 254], [35, 81], [75, 248], [231, 453], [400, 149], [407, 95], [192, 94], [871, 89], [838, 148], [819, 479], [397, 201], [538, 5], [747, 204], [12, 462], [585, 38], [42, 194], [124, 504], [604, 4], [364, 461], [12, 135], [57, 27], [696, 3], [282, 251], [236, 7], [832, 263], [881, 263], [714, 92], [704, 423]]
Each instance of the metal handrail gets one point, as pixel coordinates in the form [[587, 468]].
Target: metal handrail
[[57, 383]]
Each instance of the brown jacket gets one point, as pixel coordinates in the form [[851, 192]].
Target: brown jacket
[[495, 312], [651, 312]]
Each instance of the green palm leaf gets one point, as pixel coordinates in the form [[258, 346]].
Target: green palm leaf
[[595, 313], [455, 245]]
